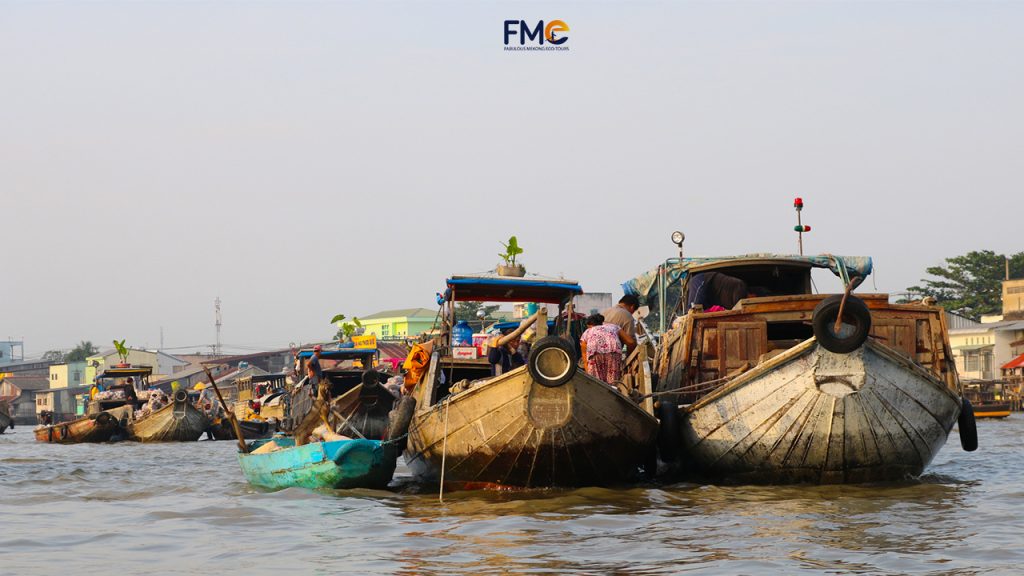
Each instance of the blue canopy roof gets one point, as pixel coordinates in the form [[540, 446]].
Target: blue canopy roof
[[494, 288], [851, 269]]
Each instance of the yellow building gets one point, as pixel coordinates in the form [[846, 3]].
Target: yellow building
[[1013, 297], [397, 324]]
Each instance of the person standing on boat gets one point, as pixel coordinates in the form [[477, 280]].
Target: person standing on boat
[[622, 316], [602, 349], [316, 373]]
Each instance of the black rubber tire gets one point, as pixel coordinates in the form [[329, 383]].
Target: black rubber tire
[[180, 397], [668, 430], [556, 346], [968, 427], [855, 313]]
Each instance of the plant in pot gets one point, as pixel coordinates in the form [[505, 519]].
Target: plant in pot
[[510, 267], [347, 329], [122, 353]]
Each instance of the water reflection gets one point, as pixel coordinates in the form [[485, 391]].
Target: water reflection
[[187, 506]]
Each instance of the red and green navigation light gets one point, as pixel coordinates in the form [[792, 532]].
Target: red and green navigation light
[[800, 228]]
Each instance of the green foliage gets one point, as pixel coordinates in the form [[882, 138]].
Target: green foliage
[[971, 284], [122, 351], [348, 329], [512, 250], [53, 356], [468, 310], [79, 353]]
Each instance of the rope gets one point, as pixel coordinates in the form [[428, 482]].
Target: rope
[[698, 387], [444, 448]]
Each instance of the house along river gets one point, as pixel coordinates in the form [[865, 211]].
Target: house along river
[[184, 509]]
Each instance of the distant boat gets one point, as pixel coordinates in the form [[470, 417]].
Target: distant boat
[[982, 394], [100, 427], [770, 391], [178, 421]]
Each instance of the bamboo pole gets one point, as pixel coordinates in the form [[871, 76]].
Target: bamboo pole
[[231, 414]]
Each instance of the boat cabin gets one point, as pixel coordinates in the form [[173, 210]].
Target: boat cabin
[[121, 386], [458, 363]]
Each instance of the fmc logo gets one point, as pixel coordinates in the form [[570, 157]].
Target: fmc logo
[[552, 34]]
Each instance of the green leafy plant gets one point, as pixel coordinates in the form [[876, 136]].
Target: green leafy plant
[[512, 250], [348, 329], [122, 351]]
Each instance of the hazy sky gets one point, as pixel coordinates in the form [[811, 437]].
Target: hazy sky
[[305, 159]]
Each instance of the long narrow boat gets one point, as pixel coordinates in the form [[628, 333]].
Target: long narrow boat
[[178, 421], [351, 463], [983, 396], [100, 427], [769, 389], [540, 425]]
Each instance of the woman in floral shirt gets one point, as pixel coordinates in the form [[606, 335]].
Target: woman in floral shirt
[[603, 349]]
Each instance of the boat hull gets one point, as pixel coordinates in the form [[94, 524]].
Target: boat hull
[[176, 422], [99, 428], [5, 422], [339, 464], [251, 429], [512, 431], [991, 410], [809, 415]]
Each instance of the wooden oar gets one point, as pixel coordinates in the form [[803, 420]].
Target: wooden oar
[[231, 414]]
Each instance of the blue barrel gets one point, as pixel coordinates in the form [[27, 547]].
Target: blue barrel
[[462, 334]]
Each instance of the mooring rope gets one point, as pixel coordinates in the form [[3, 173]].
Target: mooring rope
[[444, 448]]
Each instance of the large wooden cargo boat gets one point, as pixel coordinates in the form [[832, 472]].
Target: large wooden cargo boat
[[178, 421], [772, 388], [539, 425]]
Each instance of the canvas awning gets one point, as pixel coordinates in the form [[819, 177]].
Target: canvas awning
[[1015, 363]]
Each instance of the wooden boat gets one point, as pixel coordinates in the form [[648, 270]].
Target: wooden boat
[[221, 429], [345, 370], [340, 464], [986, 397], [365, 462], [540, 425], [5, 420], [101, 427], [178, 421], [770, 391]]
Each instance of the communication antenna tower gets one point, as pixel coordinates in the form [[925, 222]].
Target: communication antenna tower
[[216, 308]]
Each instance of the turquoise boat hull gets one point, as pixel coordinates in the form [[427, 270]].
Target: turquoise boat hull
[[338, 464]]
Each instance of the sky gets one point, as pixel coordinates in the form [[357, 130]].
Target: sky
[[304, 159]]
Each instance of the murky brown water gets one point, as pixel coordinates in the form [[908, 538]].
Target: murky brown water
[[185, 509]]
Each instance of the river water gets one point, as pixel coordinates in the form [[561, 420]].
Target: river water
[[185, 509]]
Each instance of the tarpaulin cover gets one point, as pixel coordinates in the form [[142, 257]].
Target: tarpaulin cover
[[853, 269]]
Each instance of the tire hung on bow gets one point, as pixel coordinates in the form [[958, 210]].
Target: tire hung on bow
[[967, 426], [552, 361], [853, 330]]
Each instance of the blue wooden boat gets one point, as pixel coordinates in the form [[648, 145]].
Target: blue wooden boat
[[338, 464]]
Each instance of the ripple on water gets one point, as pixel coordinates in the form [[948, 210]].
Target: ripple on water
[[182, 508]]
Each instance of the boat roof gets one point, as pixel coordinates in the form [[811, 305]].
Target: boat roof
[[852, 269], [490, 287], [339, 353], [515, 324], [267, 377], [125, 372]]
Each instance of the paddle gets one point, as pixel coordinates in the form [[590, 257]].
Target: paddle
[[231, 414]]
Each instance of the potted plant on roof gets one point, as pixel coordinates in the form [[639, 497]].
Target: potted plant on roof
[[122, 353], [511, 268], [347, 330]]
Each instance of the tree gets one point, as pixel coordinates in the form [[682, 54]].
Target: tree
[[79, 353], [468, 310], [971, 284], [53, 356]]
